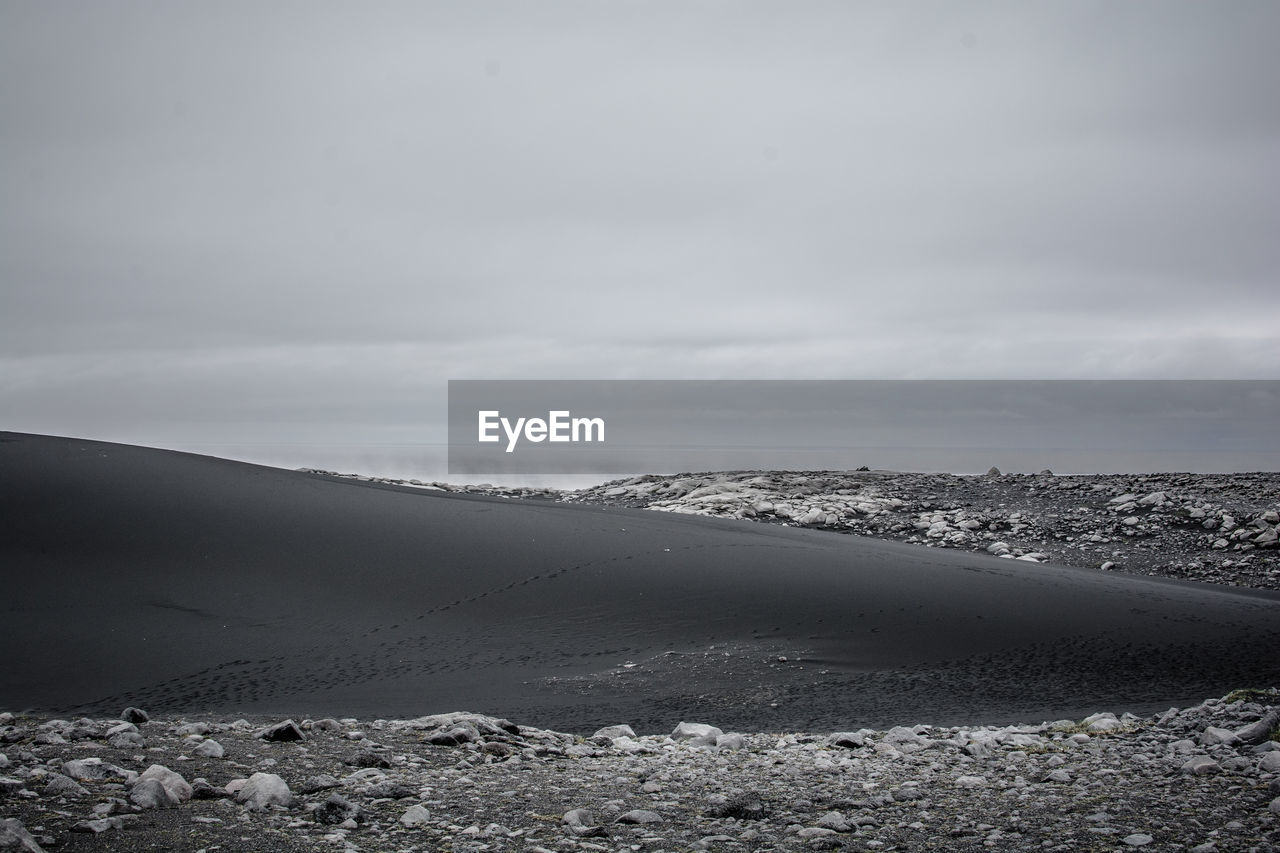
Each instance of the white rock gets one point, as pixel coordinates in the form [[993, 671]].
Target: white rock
[[689, 731], [415, 815], [1213, 735], [151, 794], [14, 836], [834, 821], [1103, 722], [1200, 765], [209, 749], [615, 732], [1138, 839], [262, 790], [177, 787], [733, 740]]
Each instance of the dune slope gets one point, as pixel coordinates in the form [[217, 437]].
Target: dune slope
[[184, 583]]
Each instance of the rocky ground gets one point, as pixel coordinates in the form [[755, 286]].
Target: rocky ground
[[1215, 528], [1201, 778]]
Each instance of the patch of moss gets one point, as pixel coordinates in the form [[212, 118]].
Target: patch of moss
[[1261, 695]]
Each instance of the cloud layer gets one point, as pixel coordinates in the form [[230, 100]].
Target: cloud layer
[[264, 221]]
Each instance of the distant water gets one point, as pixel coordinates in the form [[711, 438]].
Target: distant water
[[427, 462]]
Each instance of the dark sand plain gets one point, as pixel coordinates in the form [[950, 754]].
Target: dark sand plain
[[192, 585]]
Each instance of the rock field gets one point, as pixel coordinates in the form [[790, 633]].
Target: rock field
[[1217, 528], [1204, 778]]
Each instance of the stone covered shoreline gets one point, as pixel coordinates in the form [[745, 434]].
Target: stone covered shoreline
[[1203, 778]]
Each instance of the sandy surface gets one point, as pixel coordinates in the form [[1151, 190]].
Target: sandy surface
[[189, 584]]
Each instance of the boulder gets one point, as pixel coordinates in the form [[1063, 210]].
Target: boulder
[[209, 749], [137, 716], [280, 732], [173, 782], [14, 836], [151, 794], [696, 731], [263, 790]]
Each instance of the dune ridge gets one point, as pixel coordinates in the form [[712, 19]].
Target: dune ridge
[[192, 584]]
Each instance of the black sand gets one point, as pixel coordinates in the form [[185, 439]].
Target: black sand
[[187, 584]]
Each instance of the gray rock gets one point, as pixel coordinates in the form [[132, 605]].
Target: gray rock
[[639, 816], [743, 805], [202, 790], [209, 749], [14, 836], [1269, 762], [577, 817], [454, 736], [612, 732], [835, 821], [96, 827], [1200, 765], [64, 786], [1213, 735], [280, 732], [126, 740], [369, 758], [263, 790], [415, 815], [137, 716], [390, 790], [152, 794], [733, 740], [96, 769], [694, 731], [173, 782], [321, 782], [1138, 839], [335, 809]]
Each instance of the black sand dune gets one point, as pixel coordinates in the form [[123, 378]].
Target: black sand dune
[[183, 583]]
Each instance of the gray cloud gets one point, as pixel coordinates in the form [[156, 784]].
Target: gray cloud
[[264, 215]]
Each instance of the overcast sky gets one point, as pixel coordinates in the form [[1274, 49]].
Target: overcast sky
[[287, 224]]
